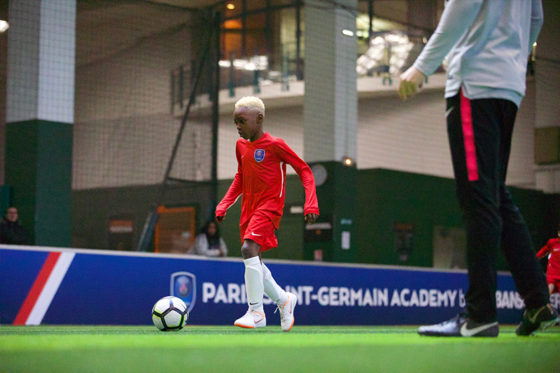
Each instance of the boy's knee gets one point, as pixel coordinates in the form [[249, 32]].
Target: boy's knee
[[249, 249]]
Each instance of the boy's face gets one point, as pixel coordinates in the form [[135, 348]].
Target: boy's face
[[248, 122]]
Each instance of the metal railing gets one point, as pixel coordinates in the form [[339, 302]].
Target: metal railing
[[388, 54]]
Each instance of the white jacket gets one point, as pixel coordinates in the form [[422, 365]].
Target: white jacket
[[201, 247], [488, 42]]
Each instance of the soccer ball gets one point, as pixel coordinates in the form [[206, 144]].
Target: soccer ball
[[170, 314]]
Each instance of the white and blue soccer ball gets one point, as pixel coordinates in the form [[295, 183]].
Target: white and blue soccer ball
[[170, 314]]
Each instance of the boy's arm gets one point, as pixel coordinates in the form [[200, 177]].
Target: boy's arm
[[305, 175], [235, 189], [544, 250]]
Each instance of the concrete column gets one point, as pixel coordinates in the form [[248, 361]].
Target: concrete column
[[3, 69], [330, 102], [330, 125], [40, 114], [547, 119]]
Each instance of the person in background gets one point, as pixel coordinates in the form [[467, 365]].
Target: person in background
[[487, 44], [11, 231], [552, 248], [208, 242]]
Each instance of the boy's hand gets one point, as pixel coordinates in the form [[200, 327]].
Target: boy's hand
[[220, 218], [311, 218]]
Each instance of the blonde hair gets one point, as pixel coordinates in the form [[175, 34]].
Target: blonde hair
[[251, 102]]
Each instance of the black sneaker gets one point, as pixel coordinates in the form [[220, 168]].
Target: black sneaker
[[537, 318], [461, 326]]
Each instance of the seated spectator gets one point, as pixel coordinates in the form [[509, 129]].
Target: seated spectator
[[209, 242], [11, 232]]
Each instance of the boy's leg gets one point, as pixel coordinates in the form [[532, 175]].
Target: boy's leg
[[271, 288], [255, 317], [285, 301], [254, 283], [258, 236]]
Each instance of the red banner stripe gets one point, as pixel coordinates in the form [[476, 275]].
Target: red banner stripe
[[36, 289]]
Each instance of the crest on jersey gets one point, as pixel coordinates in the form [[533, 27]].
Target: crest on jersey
[[259, 155]]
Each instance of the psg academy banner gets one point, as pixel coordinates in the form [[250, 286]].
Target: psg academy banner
[[63, 286]]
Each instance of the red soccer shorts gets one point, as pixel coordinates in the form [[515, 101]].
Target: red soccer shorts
[[555, 281], [261, 230]]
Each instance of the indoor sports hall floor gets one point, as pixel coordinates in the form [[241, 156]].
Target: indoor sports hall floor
[[304, 349]]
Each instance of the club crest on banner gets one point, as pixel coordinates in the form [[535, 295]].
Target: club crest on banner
[[259, 155], [183, 285]]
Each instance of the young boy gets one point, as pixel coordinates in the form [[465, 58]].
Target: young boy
[[260, 177], [552, 247]]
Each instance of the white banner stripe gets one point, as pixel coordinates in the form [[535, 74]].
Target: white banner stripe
[[51, 287]]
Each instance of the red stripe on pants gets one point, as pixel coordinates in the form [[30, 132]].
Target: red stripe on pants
[[36, 289], [468, 138]]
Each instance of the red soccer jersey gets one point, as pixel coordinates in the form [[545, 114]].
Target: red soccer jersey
[[261, 179], [552, 247]]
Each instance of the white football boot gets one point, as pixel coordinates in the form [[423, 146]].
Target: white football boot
[[287, 312], [252, 319]]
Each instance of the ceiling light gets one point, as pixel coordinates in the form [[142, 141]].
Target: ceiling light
[[230, 6], [347, 161], [4, 25]]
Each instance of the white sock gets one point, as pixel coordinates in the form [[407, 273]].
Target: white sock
[[271, 288], [254, 283]]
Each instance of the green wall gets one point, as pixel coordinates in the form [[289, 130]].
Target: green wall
[[93, 208], [387, 197], [384, 198], [39, 171], [4, 199]]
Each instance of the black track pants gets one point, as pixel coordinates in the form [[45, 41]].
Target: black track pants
[[480, 134]]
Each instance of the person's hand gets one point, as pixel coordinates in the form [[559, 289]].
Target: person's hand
[[411, 80], [220, 218], [311, 218]]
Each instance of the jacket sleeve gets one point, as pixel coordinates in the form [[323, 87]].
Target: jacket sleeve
[[305, 175], [456, 18], [234, 191], [536, 22]]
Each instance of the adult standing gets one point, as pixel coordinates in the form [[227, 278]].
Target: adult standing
[[487, 43]]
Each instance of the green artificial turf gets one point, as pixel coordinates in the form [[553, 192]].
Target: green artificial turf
[[304, 349]]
